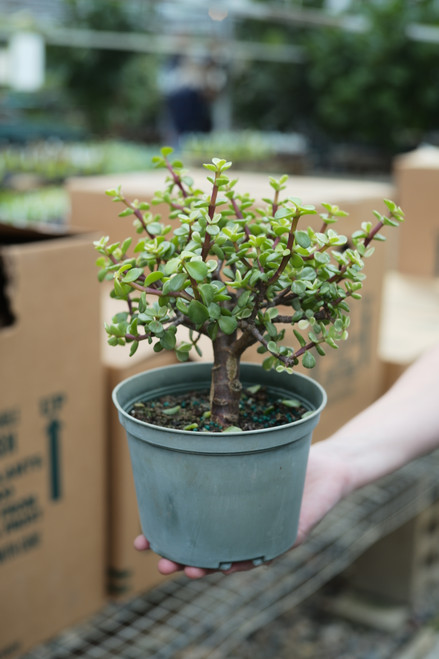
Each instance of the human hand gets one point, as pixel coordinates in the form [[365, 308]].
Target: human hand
[[165, 566], [327, 481]]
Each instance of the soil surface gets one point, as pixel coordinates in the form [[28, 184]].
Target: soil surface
[[259, 408]]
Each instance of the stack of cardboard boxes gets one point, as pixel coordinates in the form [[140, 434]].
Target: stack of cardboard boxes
[[410, 318], [52, 453]]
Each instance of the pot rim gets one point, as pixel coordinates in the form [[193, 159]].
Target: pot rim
[[122, 408]]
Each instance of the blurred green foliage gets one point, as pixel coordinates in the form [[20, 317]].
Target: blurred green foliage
[[49, 205], [55, 160], [114, 90], [249, 150], [378, 87], [32, 175]]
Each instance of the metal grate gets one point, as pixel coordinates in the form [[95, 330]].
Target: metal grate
[[184, 619]]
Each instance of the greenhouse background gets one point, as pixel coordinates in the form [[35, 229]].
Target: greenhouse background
[[309, 86], [343, 97]]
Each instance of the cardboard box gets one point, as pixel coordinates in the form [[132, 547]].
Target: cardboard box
[[417, 180], [52, 459], [402, 567], [409, 322], [92, 210], [129, 571]]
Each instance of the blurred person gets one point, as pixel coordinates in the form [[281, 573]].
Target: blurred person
[[401, 425], [184, 86]]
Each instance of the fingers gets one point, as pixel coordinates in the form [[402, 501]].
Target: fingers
[[165, 566], [141, 543], [196, 572]]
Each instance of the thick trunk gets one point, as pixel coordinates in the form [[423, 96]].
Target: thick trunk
[[225, 391]]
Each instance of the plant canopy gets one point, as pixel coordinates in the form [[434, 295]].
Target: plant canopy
[[236, 271]]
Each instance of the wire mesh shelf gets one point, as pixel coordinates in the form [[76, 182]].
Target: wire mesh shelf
[[209, 618]]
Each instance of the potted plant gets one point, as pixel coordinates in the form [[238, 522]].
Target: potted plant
[[219, 450]]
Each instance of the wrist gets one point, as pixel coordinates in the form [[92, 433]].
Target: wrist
[[339, 458]]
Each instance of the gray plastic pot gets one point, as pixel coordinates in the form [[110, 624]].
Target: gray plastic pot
[[210, 499]]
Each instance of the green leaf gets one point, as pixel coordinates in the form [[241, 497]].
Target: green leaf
[[197, 312], [308, 273], [176, 283], [142, 303], [267, 364], [214, 311], [308, 360], [303, 239], [300, 338], [120, 317], [168, 340], [185, 347], [155, 327], [153, 277], [133, 347], [232, 429], [191, 426], [228, 324], [298, 287], [132, 327], [132, 275], [320, 350], [155, 228], [197, 270], [322, 258], [125, 245], [170, 411], [207, 293], [121, 290], [172, 266], [182, 306], [296, 261], [291, 402]]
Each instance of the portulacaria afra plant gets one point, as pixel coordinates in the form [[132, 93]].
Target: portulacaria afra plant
[[238, 271]]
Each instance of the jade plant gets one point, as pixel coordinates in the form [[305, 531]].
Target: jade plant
[[236, 271]]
